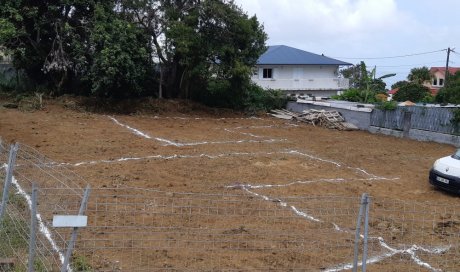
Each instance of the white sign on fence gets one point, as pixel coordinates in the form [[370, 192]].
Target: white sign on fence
[[70, 221]]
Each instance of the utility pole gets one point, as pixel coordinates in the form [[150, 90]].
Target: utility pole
[[446, 75]]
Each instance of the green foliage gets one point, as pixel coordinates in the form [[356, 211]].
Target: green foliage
[[130, 48], [258, 99], [419, 75], [357, 95], [11, 235], [399, 84], [354, 74], [217, 94], [451, 92], [388, 105], [353, 95], [81, 264], [412, 91], [251, 99], [364, 85], [120, 65], [7, 30]]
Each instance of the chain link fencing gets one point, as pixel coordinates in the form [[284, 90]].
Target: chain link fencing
[[137, 229]]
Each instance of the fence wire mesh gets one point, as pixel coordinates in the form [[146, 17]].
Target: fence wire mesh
[[136, 229]]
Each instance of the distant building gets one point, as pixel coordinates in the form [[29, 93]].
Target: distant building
[[438, 78], [296, 71]]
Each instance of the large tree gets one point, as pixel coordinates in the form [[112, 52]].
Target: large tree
[[197, 42], [111, 47]]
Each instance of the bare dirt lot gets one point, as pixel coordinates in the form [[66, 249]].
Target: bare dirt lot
[[70, 136], [206, 152]]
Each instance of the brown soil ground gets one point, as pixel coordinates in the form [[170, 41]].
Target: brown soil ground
[[256, 151]]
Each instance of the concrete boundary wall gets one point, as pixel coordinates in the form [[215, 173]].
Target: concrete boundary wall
[[362, 120]]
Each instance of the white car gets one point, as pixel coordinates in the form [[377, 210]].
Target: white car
[[445, 173]]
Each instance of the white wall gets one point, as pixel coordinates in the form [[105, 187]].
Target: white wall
[[299, 71], [301, 78]]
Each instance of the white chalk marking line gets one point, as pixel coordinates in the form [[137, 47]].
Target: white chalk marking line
[[178, 144], [281, 203], [336, 180], [243, 133], [210, 118], [223, 155], [167, 157], [142, 134], [42, 227], [412, 251], [232, 130]]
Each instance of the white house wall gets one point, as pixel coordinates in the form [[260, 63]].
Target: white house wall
[[301, 78]]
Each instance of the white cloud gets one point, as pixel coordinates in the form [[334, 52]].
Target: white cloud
[[362, 28], [329, 19]]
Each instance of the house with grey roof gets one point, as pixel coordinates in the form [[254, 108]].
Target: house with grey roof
[[299, 72]]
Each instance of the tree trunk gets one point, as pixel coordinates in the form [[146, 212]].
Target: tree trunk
[[160, 87]]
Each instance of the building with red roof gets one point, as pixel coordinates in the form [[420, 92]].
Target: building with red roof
[[438, 78]]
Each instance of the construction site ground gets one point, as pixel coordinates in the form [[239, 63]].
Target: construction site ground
[[72, 136], [182, 148]]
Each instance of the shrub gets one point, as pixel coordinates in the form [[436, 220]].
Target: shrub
[[411, 91], [258, 99], [388, 105], [352, 95]]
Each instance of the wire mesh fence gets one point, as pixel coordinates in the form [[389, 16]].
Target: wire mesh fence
[[136, 229]]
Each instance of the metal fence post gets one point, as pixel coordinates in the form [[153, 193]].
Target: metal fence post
[[65, 265], [33, 226], [8, 178], [366, 230], [358, 230]]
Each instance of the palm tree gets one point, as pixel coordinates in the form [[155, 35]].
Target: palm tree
[[419, 75]]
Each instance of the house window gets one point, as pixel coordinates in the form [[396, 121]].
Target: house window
[[435, 81], [268, 73], [441, 82]]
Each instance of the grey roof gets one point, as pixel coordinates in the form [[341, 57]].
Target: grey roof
[[285, 55]]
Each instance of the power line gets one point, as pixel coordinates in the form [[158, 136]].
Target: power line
[[394, 57], [411, 65]]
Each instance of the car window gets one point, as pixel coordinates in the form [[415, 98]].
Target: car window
[[456, 155]]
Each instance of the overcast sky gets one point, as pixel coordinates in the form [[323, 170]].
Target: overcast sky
[[353, 30]]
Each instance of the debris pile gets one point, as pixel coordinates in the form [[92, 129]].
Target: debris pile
[[327, 119]]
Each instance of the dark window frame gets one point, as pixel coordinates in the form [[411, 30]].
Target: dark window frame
[[268, 73]]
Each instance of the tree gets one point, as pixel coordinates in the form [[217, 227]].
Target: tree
[[419, 75], [399, 84], [364, 84], [119, 66], [70, 46], [203, 41], [119, 48], [354, 74], [412, 91]]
